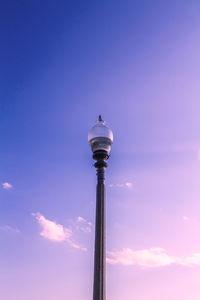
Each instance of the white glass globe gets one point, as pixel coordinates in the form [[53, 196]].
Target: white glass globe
[[100, 137]]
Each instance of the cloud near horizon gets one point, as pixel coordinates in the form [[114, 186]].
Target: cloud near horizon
[[56, 232], [150, 258]]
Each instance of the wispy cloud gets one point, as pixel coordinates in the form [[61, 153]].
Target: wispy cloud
[[153, 257], [121, 185], [9, 229], [81, 220], [83, 225], [7, 186], [150, 258], [56, 232]]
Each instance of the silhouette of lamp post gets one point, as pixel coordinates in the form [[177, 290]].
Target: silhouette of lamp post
[[100, 139]]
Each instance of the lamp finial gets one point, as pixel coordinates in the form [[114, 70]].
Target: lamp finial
[[100, 118]]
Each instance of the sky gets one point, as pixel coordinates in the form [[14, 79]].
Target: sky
[[137, 63]]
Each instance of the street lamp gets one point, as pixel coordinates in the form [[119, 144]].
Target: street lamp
[[100, 138]]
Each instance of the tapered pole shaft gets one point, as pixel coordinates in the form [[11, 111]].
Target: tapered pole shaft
[[99, 291]]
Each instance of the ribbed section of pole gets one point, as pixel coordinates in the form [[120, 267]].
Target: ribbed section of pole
[[99, 291]]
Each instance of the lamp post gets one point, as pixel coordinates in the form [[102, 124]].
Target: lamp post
[[100, 138]]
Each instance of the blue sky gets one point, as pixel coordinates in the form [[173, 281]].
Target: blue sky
[[62, 64]]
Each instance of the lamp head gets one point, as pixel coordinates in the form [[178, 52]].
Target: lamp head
[[100, 137]]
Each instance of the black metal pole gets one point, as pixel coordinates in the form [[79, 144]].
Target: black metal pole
[[99, 288]]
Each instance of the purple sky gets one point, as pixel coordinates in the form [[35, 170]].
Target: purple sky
[[62, 64]]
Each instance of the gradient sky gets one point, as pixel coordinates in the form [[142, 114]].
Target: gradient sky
[[138, 64]]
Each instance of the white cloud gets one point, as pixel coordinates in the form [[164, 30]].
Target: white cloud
[[153, 257], [51, 230], [150, 258], [7, 186], [9, 228], [55, 232], [192, 260]]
